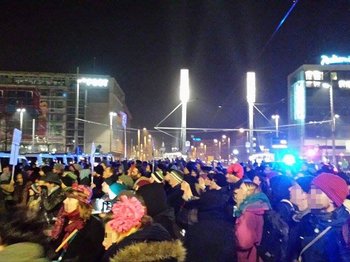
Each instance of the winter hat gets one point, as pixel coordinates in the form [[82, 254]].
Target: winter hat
[[177, 175], [219, 178], [80, 192], [117, 188], [52, 178], [126, 180], [158, 176], [59, 167], [154, 197], [305, 183], [127, 214], [333, 186], [236, 169]]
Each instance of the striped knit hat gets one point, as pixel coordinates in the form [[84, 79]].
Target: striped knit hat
[[158, 176], [177, 175]]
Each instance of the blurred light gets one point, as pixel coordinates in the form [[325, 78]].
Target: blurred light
[[288, 159], [184, 86], [97, 82], [235, 151], [251, 89], [311, 152]]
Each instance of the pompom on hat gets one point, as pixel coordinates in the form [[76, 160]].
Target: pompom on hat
[[333, 186], [127, 214], [236, 169]]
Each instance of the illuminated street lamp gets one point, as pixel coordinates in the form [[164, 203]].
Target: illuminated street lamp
[[94, 82], [276, 118], [184, 96], [251, 93], [111, 115], [21, 111]]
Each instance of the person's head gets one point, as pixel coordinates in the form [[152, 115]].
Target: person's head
[[244, 190], [174, 177], [234, 173], [112, 187], [58, 168], [299, 192], [108, 172], [216, 180], [157, 176], [135, 172], [328, 191], [129, 215], [19, 178], [51, 180], [79, 198], [21, 225]]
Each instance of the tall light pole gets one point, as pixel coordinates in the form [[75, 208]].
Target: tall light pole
[[111, 115], [251, 93], [184, 96], [333, 76], [21, 111], [276, 118], [95, 82]]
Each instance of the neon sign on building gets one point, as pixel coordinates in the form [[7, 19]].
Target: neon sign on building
[[334, 59]]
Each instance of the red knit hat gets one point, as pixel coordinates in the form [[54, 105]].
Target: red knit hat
[[236, 169], [333, 186]]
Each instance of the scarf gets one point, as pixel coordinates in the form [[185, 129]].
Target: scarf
[[258, 200], [66, 223]]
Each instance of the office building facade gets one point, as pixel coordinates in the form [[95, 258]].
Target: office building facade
[[319, 115], [50, 103]]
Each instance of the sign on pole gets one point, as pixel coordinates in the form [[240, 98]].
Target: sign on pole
[[92, 159], [16, 141]]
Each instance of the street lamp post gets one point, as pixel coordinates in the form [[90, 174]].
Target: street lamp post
[[21, 111], [251, 93], [333, 76], [111, 115], [184, 96], [95, 82], [276, 118]]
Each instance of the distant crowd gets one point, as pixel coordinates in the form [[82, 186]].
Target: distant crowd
[[174, 210]]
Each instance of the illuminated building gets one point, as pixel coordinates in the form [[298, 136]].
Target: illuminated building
[[319, 115], [50, 103]]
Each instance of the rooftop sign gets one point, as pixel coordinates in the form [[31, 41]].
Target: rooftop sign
[[334, 59]]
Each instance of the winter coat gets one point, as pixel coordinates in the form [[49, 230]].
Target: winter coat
[[52, 203], [23, 252], [211, 237], [151, 243], [330, 247], [87, 244], [249, 226]]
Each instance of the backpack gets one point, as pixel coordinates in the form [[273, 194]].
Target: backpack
[[274, 238]]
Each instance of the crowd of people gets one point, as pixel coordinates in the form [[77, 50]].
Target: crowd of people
[[173, 210]]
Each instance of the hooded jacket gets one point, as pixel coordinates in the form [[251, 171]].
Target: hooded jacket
[[249, 226], [152, 243], [152, 251]]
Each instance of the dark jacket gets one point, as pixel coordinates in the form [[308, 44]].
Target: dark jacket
[[51, 204], [152, 241], [212, 236], [87, 244], [155, 200], [330, 247]]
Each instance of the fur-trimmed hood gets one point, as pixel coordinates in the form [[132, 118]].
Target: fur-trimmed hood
[[152, 251]]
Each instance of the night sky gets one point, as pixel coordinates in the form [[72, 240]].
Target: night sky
[[144, 44]]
